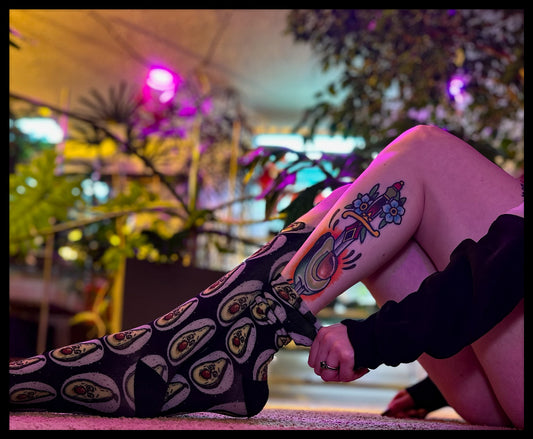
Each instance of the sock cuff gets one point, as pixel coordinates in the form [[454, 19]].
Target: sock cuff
[[299, 322]]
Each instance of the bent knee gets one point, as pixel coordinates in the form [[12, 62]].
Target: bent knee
[[427, 144], [414, 140]]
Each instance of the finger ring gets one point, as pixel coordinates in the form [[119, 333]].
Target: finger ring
[[325, 365]]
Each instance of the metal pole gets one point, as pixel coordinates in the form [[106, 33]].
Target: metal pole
[[45, 301]]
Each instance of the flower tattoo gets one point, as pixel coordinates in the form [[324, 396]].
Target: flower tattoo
[[393, 212]]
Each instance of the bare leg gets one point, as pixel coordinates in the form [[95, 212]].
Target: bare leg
[[446, 192], [501, 354], [432, 188], [460, 378]]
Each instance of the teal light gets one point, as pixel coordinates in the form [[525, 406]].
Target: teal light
[[314, 149], [320, 143], [42, 129]]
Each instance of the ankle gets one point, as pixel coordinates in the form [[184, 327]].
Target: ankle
[[298, 320]]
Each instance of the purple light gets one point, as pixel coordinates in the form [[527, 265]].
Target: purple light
[[457, 91], [163, 81], [160, 79], [456, 86]]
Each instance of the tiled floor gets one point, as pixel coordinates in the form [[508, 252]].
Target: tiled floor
[[293, 384]]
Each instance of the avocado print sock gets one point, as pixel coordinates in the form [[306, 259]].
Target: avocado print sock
[[211, 353]]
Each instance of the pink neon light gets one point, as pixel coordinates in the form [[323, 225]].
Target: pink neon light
[[164, 81], [160, 79], [457, 85]]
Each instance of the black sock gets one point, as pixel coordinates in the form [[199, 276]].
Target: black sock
[[209, 354]]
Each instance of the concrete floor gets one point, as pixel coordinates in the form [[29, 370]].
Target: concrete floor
[[293, 384]]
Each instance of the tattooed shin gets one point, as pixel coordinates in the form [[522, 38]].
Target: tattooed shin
[[333, 250]]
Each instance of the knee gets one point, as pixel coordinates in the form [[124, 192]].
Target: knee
[[425, 131], [421, 135], [420, 141]]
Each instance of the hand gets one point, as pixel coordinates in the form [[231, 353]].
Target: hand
[[403, 406], [333, 346]]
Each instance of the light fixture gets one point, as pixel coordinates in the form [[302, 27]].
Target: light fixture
[[44, 129], [320, 143], [456, 86], [457, 91], [163, 81]]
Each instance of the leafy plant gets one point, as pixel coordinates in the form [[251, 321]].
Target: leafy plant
[[396, 68], [459, 69], [38, 199], [186, 145], [336, 169], [175, 156]]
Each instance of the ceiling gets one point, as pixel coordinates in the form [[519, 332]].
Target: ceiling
[[65, 53]]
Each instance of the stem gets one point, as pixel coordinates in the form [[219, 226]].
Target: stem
[[161, 177], [195, 166], [44, 313], [80, 223]]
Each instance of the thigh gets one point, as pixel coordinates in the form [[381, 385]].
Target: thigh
[[460, 378], [463, 191], [501, 354], [401, 275]]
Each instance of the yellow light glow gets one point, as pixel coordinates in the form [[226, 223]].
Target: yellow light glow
[[75, 235], [153, 255], [68, 253], [44, 112], [142, 251], [114, 240], [74, 149]]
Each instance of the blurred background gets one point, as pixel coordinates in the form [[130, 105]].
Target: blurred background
[[152, 150]]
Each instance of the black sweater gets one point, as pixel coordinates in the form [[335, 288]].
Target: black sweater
[[482, 283]]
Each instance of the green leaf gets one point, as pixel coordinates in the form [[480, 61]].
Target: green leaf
[[393, 62], [38, 198], [303, 203]]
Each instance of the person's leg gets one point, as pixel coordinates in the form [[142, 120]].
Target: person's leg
[[426, 185], [208, 354], [501, 354], [460, 378]]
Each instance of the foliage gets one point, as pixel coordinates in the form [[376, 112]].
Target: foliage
[[340, 167], [192, 126], [185, 145], [396, 65], [192, 135], [38, 199], [175, 157], [394, 71]]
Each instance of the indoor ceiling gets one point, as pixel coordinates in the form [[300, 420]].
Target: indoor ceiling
[[65, 53]]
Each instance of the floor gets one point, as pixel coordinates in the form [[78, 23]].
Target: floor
[[299, 400], [293, 384]]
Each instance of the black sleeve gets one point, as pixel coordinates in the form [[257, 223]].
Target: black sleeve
[[426, 395], [482, 283]]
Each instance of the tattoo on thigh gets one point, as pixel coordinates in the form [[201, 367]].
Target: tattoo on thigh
[[330, 252]]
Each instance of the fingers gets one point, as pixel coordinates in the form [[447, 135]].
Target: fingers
[[321, 352], [314, 351], [402, 401], [332, 346], [403, 406]]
